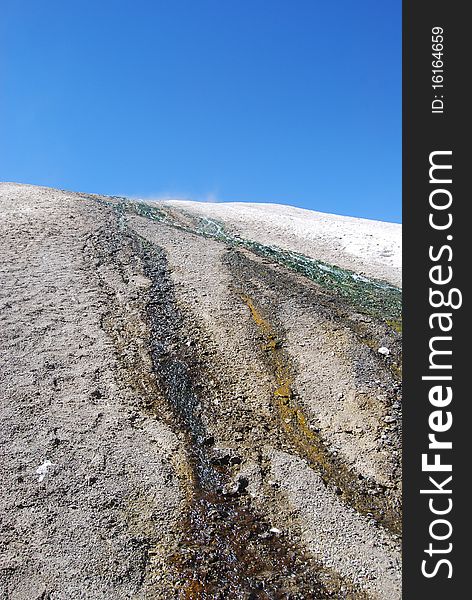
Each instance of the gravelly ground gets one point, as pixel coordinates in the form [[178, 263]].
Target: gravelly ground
[[146, 364]]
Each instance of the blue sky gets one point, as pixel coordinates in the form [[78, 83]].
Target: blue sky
[[296, 102]]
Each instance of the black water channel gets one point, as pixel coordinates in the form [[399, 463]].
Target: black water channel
[[226, 549]]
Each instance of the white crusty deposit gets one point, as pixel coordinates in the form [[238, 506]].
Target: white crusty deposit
[[368, 247]]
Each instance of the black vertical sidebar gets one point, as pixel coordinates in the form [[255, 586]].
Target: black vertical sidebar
[[425, 132]]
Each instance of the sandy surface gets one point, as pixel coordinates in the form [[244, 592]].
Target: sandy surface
[[146, 363], [82, 530]]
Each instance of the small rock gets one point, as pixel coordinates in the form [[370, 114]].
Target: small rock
[[383, 350], [236, 487], [225, 457], [42, 470]]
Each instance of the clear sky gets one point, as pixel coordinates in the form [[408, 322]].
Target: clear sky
[[296, 102]]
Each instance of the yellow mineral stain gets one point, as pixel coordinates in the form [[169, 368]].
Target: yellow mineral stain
[[395, 324], [307, 442], [193, 590], [292, 418]]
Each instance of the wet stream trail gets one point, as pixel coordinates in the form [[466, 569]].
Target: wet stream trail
[[293, 422], [227, 550]]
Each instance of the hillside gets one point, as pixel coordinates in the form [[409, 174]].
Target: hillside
[[371, 248], [194, 404]]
